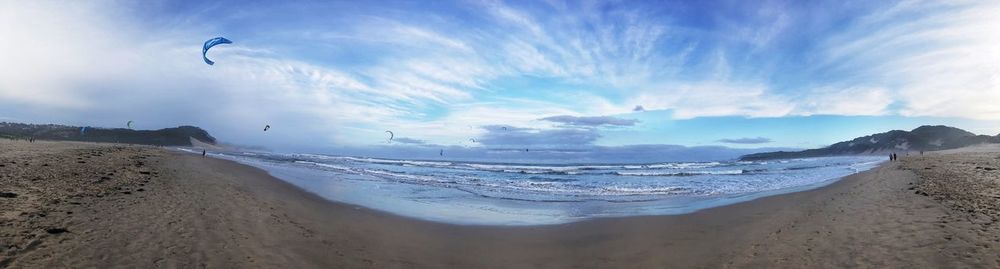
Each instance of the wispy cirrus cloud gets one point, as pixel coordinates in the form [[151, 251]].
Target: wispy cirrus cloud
[[918, 49], [716, 99]]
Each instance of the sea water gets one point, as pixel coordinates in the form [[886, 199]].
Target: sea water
[[497, 193]]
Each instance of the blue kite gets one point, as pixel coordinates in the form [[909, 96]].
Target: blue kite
[[211, 43]]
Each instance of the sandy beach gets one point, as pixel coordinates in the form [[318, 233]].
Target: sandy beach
[[84, 205]]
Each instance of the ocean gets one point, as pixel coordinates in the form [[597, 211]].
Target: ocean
[[498, 193]]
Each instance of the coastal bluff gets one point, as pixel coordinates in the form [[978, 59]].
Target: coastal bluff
[[923, 138], [176, 136]]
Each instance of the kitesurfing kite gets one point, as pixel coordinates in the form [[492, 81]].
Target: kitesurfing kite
[[390, 136], [211, 43], [128, 124], [267, 127]]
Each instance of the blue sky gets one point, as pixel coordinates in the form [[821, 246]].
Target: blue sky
[[556, 73]]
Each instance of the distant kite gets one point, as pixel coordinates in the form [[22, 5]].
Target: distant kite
[[128, 124], [473, 140], [391, 135], [211, 43], [267, 127]]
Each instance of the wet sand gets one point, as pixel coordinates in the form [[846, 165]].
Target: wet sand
[[109, 206]]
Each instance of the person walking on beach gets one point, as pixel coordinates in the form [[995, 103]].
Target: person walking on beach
[[202, 153]]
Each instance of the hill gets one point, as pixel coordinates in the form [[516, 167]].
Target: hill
[[177, 136], [923, 138]]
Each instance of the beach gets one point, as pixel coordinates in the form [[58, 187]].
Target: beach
[[121, 206]]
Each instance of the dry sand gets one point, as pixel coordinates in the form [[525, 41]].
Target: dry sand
[[144, 207]]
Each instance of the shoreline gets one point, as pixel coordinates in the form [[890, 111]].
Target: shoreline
[[299, 191], [503, 211], [218, 213]]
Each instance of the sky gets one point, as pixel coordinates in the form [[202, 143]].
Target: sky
[[506, 74]]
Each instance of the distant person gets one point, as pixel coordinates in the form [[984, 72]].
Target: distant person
[[890, 157], [895, 157], [202, 153]]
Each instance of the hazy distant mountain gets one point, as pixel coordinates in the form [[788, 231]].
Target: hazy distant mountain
[[923, 138], [177, 136]]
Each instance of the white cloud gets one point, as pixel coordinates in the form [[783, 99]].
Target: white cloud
[[857, 101], [80, 60], [943, 63], [715, 99], [36, 50], [95, 62]]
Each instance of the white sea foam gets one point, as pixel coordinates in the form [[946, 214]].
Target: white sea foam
[[684, 173], [578, 190]]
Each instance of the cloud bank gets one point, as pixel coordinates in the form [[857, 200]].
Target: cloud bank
[[596, 121], [745, 140], [547, 138], [407, 140]]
